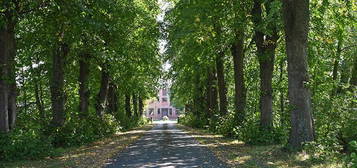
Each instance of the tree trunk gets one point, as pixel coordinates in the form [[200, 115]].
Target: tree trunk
[[83, 84], [266, 45], [7, 75], [141, 106], [222, 90], [296, 21], [266, 91], [135, 105], [4, 91], [127, 106], [57, 85], [103, 93], [112, 98], [211, 92], [239, 83]]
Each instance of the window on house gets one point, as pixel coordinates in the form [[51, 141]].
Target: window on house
[[151, 111], [164, 99], [158, 111], [170, 111], [164, 92]]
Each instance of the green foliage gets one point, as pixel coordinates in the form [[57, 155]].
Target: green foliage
[[250, 132], [78, 131], [196, 39], [192, 120], [352, 159], [25, 144], [129, 123]]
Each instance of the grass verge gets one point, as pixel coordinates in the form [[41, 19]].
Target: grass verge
[[238, 154], [92, 155]]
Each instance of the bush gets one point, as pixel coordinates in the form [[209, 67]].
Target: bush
[[352, 158], [192, 121], [129, 123], [252, 133], [25, 144], [78, 131], [224, 125]]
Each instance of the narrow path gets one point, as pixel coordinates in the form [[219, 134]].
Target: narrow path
[[165, 146]]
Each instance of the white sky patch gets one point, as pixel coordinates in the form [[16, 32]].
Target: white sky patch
[[164, 7]]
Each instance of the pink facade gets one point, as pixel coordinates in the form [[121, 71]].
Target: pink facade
[[157, 109]]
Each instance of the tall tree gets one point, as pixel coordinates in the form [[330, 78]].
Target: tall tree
[[141, 106], [222, 89], [266, 44], [103, 92], [237, 49], [7, 69], [83, 84], [296, 25], [135, 105], [211, 92], [57, 84], [127, 106]]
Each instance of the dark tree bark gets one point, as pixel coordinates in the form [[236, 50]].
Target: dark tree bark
[[296, 25], [113, 98], [266, 45], [83, 84], [7, 74], [12, 105], [57, 85], [103, 93], [222, 90], [135, 105], [237, 50], [198, 97], [141, 106], [211, 92], [4, 73], [127, 106]]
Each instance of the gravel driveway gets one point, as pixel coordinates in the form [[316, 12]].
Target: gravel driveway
[[165, 146]]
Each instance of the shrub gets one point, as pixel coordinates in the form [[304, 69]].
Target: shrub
[[192, 121], [78, 131], [25, 144], [352, 158]]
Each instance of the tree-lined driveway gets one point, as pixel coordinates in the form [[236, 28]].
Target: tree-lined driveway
[[166, 146]]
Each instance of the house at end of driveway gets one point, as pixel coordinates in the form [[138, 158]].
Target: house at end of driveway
[[161, 107]]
